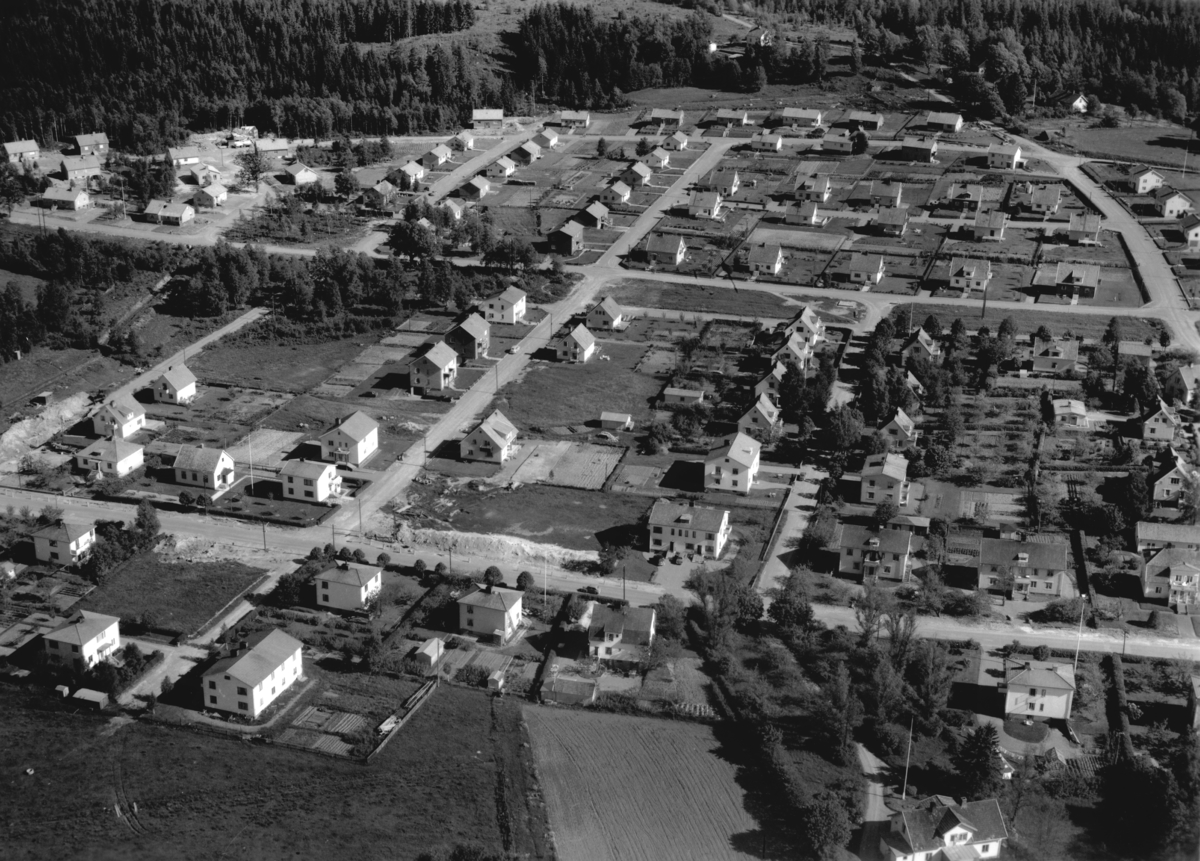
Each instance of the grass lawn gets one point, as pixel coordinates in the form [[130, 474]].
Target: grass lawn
[[696, 297], [456, 773], [576, 519], [282, 367], [173, 595], [1164, 143], [553, 394], [1027, 322]]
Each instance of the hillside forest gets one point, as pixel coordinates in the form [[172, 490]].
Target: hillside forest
[[147, 72]]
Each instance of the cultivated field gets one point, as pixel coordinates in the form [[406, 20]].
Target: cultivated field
[[174, 596], [698, 298], [280, 367], [455, 774], [636, 789]]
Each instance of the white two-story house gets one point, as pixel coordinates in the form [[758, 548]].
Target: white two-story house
[[309, 480], [940, 829], [347, 586], [63, 543], [352, 440], [83, 641], [677, 527], [490, 614], [255, 675], [493, 440], [734, 465]]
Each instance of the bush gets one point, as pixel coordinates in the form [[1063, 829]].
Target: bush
[[419, 566], [360, 556], [186, 498], [524, 581], [383, 560], [476, 677], [1041, 653]]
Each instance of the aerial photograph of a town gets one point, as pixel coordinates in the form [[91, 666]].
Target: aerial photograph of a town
[[599, 430]]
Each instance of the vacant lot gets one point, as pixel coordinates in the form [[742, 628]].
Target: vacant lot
[[454, 774], [281, 367], [552, 394], [67, 370], [577, 519], [1158, 143], [176, 596], [636, 788], [688, 297]]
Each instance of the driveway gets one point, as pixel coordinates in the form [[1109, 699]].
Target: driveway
[[876, 814]]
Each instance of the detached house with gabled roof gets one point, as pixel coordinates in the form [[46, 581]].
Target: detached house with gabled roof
[[596, 215], [501, 168], [347, 586], [989, 225], [1144, 180], [1054, 356], [1004, 157], [1172, 576], [761, 421], [769, 385], [705, 204], [165, 212], [21, 152], [309, 480], [1084, 228], [620, 638], [892, 220], [79, 167], [352, 440], [940, 829], [211, 195], [865, 269], [657, 158], [676, 141], [575, 119], [885, 478], [490, 614], [1160, 422], [64, 542], [463, 141], [1190, 227], [95, 143], [83, 641], [1171, 477], [476, 188], [183, 156], [1169, 203], [808, 324], [868, 555], [256, 674], [794, 349], [491, 119], [576, 345], [435, 370], [568, 239], [1025, 568], [526, 154], [920, 344], [765, 259], [471, 338], [175, 385], [944, 122], [119, 417], [493, 440], [900, 429], [114, 457], [70, 199], [799, 117], [1181, 384], [667, 249], [680, 527], [299, 174], [616, 193], [506, 307], [210, 468], [1152, 537], [967, 274], [805, 214], [437, 156], [813, 188], [1037, 689], [734, 465], [637, 174], [727, 182], [606, 314], [964, 196]]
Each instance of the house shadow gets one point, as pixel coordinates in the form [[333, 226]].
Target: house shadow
[[308, 450], [450, 449], [390, 380], [623, 535], [188, 690], [544, 354], [684, 475]]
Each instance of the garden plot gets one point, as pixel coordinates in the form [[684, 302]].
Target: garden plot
[[990, 505], [797, 238], [243, 406], [264, 447], [323, 730]]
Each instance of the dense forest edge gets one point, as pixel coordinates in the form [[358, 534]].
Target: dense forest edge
[[148, 72]]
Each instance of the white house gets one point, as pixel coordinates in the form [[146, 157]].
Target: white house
[[900, 429], [606, 314], [990, 225], [704, 204], [734, 465], [493, 440], [477, 188], [183, 156], [347, 586], [72, 199], [309, 480], [491, 119], [1004, 157], [299, 174], [65, 542], [769, 384], [255, 675], [435, 370], [794, 349], [83, 641], [1025, 568], [175, 385], [865, 269], [17, 152], [527, 153], [1180, 385], [352, 440], [657, 158], [944, 122], [165, 212], [414, 170], [682, 397], [869, 555], [491, 614], [938, 828], [1037, 689], [797, 117], [637, 174], [668, 249], [1145, 180], [575, 119], [616, 421], [838, 141], [885, 477], [808, 325], [620, 638], [677, 141], [211, 195], [1190, 227], [920, 344], [210, 468], [576, 345], [111, 457], [1170, 203], [119, 417], [766, 142], [507, 307], [761, 420], [463, 141], [679, 527], [437, 156], [805, 214], [501, 168], [765, 259], [967, 274], [618, 192]]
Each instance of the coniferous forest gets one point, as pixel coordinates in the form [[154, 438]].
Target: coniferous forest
[[148, 71]]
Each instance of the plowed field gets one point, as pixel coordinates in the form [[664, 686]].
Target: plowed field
[[636, 789]]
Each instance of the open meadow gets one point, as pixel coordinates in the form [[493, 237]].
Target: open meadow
[[637, 789], [455, 774]]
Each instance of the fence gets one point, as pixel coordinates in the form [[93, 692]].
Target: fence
[[409, 708]]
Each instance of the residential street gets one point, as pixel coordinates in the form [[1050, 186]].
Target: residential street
[[875, 816]]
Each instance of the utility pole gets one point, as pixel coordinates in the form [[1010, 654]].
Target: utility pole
[[1079, 634], [264, 526], [908, 757], [361, 531]]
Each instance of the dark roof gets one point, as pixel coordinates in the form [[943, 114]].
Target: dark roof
[[885, 540], [931, 818], [1008, 551], [198, 458], [497, 599], [267, 650], [698, 517]]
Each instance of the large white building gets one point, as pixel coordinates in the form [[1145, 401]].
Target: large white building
[[677, 527], [734, 465], [309, 480], [252, 678], [63, 543], [114, 457], [352, 440], [347, 586], [83, 641]]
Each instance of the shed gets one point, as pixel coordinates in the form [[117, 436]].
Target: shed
[[89, 699]]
